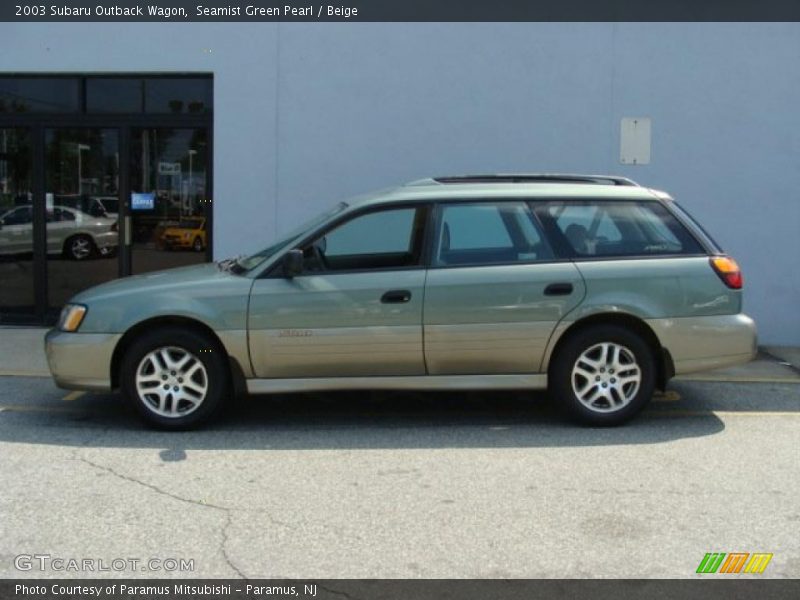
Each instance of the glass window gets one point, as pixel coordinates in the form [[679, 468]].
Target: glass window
[[178, 95], [19, 216], [379, 240], [16, 230], [39, 94], [81, 240], [168, 166], [114, 95], [475, 234], [621, 229]]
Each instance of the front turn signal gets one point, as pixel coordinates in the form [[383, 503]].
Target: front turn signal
[[728, 271], [71, 317]]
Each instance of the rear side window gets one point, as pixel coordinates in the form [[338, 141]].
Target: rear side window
[[608, 229], [483, 234]]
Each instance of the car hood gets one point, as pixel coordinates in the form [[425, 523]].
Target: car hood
[[168, 280]]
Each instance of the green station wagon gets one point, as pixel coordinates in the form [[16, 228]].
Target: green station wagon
[[593, 287]]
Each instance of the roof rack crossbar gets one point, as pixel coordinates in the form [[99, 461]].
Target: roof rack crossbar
[[540, 178]]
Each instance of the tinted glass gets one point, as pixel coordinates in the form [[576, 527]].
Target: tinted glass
[[39, 94], [180, 95], [477, 234], [168, 179], [114, 95], [620, 229], [377, 240], [81, 164], [16, 228], [375, 233]]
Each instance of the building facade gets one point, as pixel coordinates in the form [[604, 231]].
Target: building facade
[[176, 143]]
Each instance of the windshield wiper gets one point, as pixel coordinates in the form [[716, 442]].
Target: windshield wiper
[[229, 264]]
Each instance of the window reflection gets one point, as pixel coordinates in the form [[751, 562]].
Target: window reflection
[[39, 94], [170, 202], [82, 205], [16, 224]]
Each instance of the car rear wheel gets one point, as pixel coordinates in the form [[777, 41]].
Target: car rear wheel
[[79, 247], [603, 375], [175, 378], [197, 245]]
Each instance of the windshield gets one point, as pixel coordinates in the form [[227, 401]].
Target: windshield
[[251, 262], [189, 224]]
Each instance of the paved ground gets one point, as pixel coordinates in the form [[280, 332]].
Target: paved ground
[[404, 485]]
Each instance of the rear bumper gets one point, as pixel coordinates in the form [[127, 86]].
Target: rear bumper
[[704, 343], [80, 361]]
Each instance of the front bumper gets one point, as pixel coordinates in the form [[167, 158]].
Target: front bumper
[[107, 239], [704, 343], [177, 242], [80, 361]]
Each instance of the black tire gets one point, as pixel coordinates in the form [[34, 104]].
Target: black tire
[[202, 349], [197, 245], [603, 412], [79, 247]]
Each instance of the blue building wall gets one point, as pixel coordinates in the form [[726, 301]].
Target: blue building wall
[[308, 114]]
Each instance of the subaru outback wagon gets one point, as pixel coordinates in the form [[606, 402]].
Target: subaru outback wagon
[[593, 287]]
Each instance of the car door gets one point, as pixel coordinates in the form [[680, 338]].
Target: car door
[[355, 310], [495, 290], [16, 232]]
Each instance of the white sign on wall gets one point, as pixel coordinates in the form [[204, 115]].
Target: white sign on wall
[[634, 141], [169, 168]]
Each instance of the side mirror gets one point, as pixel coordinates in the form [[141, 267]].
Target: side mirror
[[292, 263]]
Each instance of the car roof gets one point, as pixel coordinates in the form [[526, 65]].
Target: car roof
[[476, 187]]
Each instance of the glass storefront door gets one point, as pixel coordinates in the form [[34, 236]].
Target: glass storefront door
[[101, 176], [82, 209], [16, 224], [170, 204]]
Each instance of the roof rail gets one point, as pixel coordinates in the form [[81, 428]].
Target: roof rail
[[539, 178]]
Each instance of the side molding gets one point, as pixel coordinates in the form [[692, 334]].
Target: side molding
[[417, 382]]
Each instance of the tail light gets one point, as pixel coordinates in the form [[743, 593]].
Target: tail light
[[728, 271], [114, 226]]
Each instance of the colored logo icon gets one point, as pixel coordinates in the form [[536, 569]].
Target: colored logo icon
[[734, 562]]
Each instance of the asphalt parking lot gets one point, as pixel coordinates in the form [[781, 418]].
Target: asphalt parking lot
[[403, 485]]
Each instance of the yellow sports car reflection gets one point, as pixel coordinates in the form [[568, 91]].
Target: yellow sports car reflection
[[187, 234]]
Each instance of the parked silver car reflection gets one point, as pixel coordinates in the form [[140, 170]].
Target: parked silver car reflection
[[70, 232]]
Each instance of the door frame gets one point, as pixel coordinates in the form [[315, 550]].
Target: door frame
[[37, 124]]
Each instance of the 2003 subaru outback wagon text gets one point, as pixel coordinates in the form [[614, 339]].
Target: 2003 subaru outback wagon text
[[593, 287]]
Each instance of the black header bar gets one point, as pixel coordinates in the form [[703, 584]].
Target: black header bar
[[714, 588], [399, 10]]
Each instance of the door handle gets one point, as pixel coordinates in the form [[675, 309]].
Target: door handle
[[396, 297], [558, 289]]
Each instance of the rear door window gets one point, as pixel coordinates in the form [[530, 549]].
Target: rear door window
[[488, 233], [609, 229]]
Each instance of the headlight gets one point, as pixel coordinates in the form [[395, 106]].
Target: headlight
[[71, 317]]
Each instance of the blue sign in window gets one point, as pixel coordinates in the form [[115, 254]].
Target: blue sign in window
[[143, 200]]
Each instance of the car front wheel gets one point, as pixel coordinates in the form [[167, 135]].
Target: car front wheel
[[175, 378], [603, 375]]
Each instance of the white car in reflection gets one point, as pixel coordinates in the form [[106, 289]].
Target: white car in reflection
[[70, 232]]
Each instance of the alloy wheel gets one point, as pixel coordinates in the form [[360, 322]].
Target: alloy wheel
[[171, 381], [80, 248], [606, 377]]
